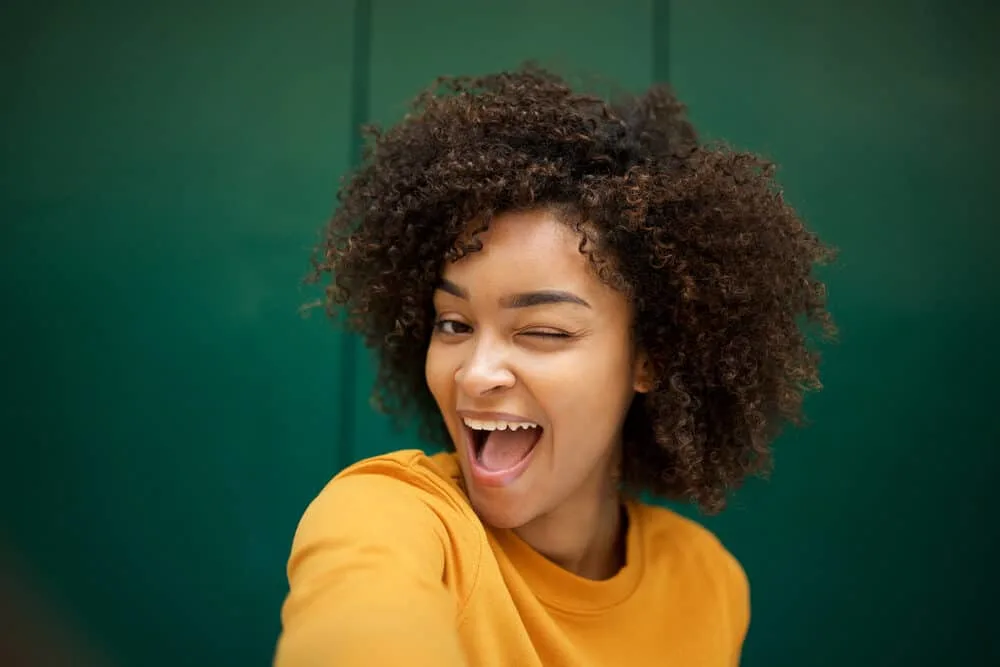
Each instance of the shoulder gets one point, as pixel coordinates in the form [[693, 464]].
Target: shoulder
[[691, 550], [436, 474], [403, 485], [672, 532], [684, 542], [386, 547], [398, 517]]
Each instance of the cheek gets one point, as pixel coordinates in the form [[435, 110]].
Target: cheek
[[587, 390], [439, 372]]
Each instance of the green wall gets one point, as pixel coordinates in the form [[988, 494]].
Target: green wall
[[869, 546], [168, 413]]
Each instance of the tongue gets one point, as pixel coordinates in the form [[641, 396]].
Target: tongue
[[503, 449]]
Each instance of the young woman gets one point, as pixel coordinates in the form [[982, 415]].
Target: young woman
[[586, 306]]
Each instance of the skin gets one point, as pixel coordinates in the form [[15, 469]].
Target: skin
[[570, 367]]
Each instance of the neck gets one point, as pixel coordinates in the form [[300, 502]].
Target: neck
[[584, 535]]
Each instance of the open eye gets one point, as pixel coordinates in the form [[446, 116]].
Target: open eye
[[452, 327]]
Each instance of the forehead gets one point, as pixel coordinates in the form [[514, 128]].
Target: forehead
[[526, 248]]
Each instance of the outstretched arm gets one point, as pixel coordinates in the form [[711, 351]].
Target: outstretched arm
[[366, 582]]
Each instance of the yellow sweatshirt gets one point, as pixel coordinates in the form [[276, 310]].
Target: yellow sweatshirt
[[391, 567]]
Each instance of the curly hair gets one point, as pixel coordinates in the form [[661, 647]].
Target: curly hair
[[719, 268]]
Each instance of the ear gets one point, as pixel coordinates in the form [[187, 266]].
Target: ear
[[642, 374]]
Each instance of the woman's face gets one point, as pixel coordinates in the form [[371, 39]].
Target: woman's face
[[533, 368]]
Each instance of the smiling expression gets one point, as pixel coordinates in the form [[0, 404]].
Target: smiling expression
[[531, 349]]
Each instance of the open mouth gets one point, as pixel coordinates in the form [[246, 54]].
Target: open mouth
[[500, 445]]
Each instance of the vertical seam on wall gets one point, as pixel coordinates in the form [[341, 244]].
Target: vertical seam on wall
[[661, 41], [360, 109]]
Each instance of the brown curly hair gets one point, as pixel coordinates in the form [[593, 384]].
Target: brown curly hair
[[720, 270]]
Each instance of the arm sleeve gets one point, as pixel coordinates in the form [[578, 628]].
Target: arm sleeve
[[366, 581], [739, 601]]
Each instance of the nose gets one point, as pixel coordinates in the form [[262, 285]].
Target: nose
[[486, 370]]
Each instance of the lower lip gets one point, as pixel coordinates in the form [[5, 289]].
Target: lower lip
[[496, 478]]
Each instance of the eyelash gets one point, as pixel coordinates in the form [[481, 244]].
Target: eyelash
[[440, 324]]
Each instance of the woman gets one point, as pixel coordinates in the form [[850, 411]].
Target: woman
[[585, 306]]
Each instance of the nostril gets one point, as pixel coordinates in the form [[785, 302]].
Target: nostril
[[484, 373], [481, 384]]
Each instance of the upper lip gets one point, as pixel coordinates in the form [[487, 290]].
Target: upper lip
[[494, 416]]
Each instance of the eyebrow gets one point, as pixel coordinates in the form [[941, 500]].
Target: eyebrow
[[522, 300]]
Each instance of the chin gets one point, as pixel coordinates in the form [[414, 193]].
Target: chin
[[498, 508], [500, 517]]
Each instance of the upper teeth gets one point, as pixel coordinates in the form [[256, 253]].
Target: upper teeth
[[483, 425]]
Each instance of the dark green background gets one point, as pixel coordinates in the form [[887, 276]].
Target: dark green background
[[167, 413]]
